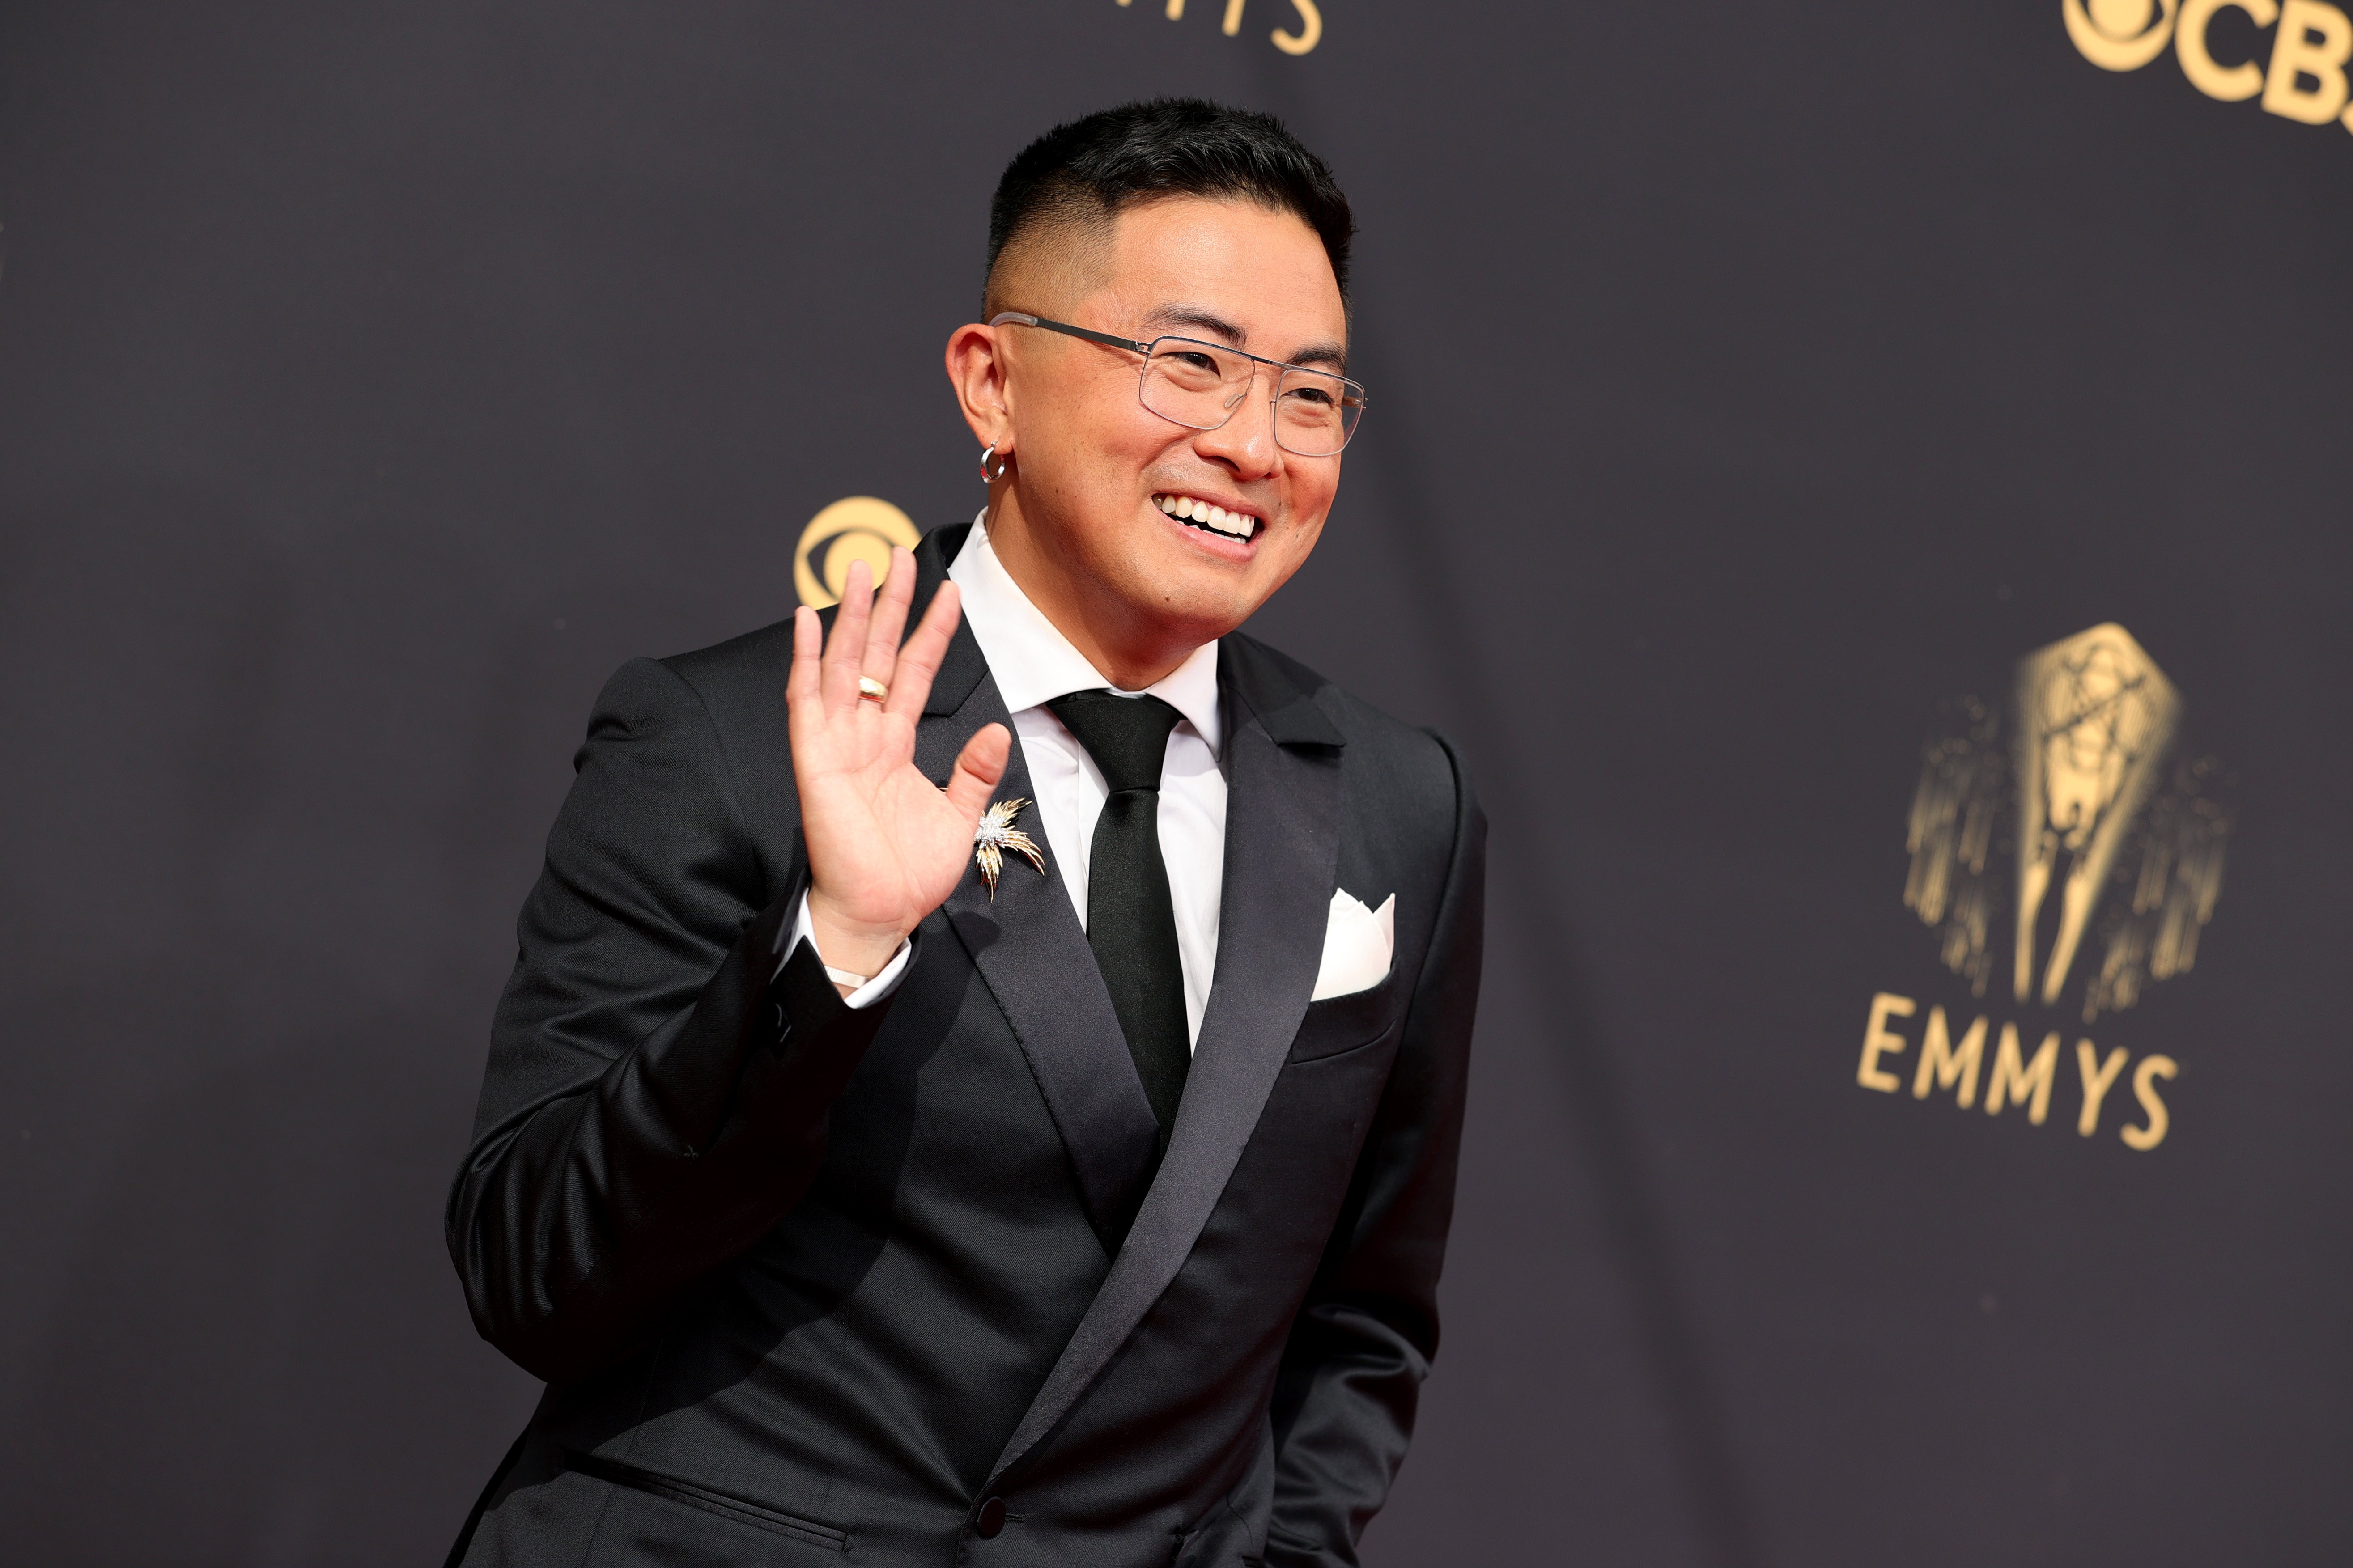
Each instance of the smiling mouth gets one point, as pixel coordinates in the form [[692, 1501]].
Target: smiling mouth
[[1195, 512]]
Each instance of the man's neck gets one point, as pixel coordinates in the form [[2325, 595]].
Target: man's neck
[[1104, 628]]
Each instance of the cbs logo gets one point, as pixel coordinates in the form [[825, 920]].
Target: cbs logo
[[861, 528], [2304, 79]]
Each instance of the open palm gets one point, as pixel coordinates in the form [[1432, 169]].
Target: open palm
[[886, 845]]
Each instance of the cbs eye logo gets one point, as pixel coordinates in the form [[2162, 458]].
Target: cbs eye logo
[[2304, 79], [861, 528], [2121, 34]]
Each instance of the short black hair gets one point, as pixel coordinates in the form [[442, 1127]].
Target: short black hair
[[1090, 169]]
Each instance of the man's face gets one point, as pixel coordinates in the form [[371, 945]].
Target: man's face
[[1097, 469]]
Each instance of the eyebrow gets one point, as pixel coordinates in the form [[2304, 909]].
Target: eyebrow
[[1331, 354], [1200, 320]]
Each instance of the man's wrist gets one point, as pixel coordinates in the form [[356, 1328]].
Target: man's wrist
[[856, 947]]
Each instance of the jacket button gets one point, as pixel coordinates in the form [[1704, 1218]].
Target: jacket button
[[989, 1520]]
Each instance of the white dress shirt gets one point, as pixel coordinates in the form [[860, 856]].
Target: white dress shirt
[[1033, 663]]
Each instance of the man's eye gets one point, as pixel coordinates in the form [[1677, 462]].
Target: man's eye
[[1317, 395], [1196, 362]]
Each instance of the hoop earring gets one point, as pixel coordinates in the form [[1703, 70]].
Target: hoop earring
[[990, 476]]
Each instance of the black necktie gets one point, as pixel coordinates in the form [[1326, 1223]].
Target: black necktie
[[1131, 923]]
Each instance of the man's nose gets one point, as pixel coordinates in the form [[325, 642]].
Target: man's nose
[[1246, 441]]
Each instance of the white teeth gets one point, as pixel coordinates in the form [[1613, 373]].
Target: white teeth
[[1191, 509]]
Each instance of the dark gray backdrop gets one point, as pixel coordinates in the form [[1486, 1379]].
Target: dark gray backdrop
[[1746, 380]]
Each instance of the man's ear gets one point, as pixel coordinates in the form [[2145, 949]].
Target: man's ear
[[977, 369]]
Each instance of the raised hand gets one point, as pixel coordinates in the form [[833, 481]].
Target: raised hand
[[886, 845]]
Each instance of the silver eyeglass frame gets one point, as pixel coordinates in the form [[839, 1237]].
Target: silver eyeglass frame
[[1354, 389]]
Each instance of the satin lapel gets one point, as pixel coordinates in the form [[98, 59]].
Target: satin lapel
[[1032, 952], [1281, 842]]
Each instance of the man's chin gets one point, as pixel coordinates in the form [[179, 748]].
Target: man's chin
[[1190, 606], [1211, 612]]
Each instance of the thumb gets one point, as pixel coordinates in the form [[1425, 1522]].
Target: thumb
[[977, 768]]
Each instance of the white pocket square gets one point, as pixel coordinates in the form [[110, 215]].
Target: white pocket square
[[1358, 945]]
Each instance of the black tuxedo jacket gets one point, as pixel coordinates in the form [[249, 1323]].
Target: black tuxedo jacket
[[901, 1286]]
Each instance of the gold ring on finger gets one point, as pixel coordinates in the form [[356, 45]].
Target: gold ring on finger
[[872, 691]]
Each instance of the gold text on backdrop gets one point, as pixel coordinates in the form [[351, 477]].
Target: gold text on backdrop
[[2304, 79], [2015, 1082], [1310, 22], [857, 527]]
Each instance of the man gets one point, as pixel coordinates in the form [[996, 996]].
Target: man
[[905, 1145]]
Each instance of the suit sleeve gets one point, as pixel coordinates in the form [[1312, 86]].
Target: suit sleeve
[[1364, 1339], [658, 1090]]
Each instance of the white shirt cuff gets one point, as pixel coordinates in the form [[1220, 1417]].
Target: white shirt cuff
[[884, 982]]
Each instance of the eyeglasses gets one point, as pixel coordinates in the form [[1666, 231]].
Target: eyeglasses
[[1198, 385]]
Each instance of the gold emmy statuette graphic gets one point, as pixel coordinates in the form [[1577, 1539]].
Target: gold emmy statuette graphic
[[2120, 35], [859, 528], [2083, 784], [2095, 714], [2090, 801]]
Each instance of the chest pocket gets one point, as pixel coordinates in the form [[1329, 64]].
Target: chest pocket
[[1341, 1024]]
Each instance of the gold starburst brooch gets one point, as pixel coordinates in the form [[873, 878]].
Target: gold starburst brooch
[[996, 835]]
